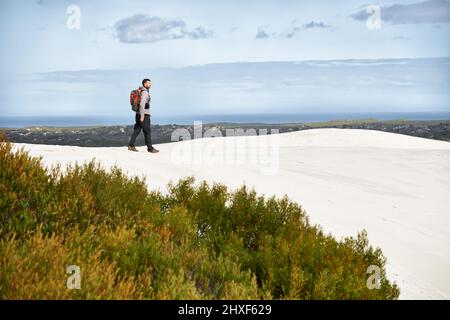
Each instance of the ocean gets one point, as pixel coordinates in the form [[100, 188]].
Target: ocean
[[78, 121]]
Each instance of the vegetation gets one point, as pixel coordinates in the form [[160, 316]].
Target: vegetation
[[115, 136], [197, 241]]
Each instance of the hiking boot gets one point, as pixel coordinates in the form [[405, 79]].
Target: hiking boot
[[133, 148], [153, 150]]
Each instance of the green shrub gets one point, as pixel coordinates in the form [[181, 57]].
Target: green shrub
[[195, 242]]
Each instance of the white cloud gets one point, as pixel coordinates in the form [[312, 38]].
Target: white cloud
[[365, 85], [292, 31], [261, 33], [142, 28], [314, 24]]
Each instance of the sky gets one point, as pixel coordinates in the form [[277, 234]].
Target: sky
[[73, 57]]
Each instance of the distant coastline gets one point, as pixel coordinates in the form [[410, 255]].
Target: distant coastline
[[267, 118], [119, 135]]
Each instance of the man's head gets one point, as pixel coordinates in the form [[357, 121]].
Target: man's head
[[147, 83]]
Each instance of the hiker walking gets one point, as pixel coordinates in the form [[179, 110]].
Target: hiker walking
[[140, 103]]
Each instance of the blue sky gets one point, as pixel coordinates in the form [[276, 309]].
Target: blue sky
[[223, 56]]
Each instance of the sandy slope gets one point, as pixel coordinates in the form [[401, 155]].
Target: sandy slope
[[396, 187]]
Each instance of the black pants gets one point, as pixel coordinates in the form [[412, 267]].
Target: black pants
[[145, 126]]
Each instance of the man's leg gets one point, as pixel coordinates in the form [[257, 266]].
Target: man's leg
[[136, 131], [147, 133]]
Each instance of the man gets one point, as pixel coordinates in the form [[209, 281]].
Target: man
[[143, 119]]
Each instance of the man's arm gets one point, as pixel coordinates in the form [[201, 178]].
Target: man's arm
[[144, 97]]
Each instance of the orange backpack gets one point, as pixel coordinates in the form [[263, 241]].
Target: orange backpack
[[135, 99]]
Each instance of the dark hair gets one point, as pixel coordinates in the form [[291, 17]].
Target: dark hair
[[145, 80]]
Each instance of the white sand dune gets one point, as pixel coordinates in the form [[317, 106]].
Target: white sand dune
[[396, 187]]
